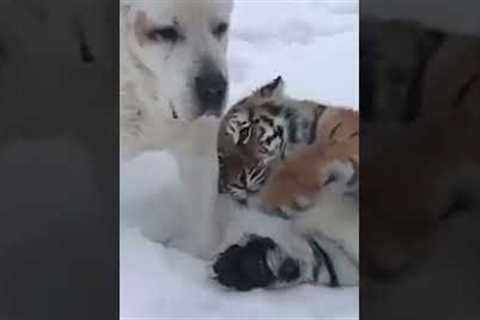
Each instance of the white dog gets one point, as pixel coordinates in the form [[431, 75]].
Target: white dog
[[173, 71], [173, 68]]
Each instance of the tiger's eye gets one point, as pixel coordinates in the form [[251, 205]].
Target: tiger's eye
[[244, 135]]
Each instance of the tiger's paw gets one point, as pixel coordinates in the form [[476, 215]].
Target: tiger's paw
[[289, 209]]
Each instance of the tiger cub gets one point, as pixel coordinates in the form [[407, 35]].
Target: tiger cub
[[298, 162], [257, 133]]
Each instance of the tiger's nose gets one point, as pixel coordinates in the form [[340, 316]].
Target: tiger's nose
[[211, 89]]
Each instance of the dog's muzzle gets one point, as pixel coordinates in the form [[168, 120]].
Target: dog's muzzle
[[211, 90]]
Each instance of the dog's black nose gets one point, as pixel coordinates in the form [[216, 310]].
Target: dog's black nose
[[289, 270], [211, 89]]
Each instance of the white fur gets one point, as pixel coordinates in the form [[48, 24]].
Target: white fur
[[336, 218], [156, 77]]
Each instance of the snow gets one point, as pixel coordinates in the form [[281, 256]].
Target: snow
[[314, 46]]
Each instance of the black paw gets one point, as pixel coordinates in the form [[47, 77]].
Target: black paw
[[245, 268]]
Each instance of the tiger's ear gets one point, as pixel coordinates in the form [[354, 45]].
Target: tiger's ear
[[273, 89]]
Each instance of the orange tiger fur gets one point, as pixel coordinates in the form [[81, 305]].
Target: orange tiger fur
[[302, 175]]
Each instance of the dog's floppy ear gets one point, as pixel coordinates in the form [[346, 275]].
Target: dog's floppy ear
[[273, 89]]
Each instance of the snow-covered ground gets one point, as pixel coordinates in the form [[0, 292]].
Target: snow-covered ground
[[314, 46]]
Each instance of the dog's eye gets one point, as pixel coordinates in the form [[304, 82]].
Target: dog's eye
[[220, 29], [167, 34]]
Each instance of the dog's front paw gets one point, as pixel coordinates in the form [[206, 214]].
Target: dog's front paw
[[247, 267]]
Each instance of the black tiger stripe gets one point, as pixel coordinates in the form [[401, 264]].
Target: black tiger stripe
[[322, 257], [267, 120], [243, 178], [313, 128], [244, 135], [334, 130], [255, 172], [262, 132], [352, 135], [263, 179], [236, 186], [272, 137], [283, 150], [292, 125], [279, 130]]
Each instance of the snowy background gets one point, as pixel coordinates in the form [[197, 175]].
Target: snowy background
[[314, 46]]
